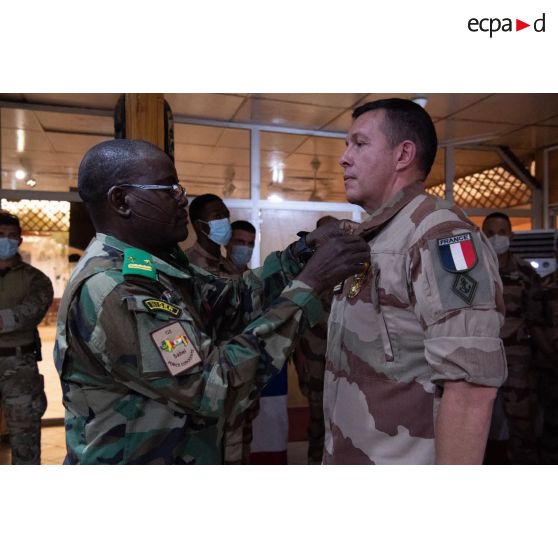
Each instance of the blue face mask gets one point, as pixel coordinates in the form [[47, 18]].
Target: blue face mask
[[241, 255], [219, 231], [8, 248]]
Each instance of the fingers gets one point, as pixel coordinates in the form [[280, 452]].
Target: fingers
[[348, 227], [337, 228]]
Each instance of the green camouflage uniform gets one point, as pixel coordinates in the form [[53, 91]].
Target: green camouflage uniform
[[548, 372], [25, 296], [197, 255], [399, 331], [309, 359], [237, 434], [122, 403], [521, 286]]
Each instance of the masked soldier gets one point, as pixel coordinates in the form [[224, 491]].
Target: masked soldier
[[25, 296], [522, 326]]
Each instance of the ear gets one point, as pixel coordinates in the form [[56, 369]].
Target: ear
[[200, 227], [406, 155], [118, 202]]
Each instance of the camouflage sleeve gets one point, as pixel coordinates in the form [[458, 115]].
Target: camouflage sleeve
[[278, 270], [461, 312], [33, 308], [237, 302], [118, 330]]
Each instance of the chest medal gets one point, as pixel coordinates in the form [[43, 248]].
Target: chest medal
[[357, 282]]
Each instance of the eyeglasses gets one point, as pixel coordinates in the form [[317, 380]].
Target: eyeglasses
[[177, 190]]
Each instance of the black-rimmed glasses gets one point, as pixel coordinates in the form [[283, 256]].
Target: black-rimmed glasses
[[177, 190]]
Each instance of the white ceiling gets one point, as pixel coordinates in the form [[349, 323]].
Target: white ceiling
[[207, 158]]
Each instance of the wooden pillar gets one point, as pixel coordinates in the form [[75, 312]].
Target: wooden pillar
[[145, 117]]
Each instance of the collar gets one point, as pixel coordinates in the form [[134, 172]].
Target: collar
[[197, 247], [180, 268], [222, 264], [18, 262], [387, 211]]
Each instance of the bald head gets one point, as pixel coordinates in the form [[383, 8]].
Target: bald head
[[114, 162]]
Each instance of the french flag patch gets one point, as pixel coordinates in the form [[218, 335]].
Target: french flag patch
[[457, 253]]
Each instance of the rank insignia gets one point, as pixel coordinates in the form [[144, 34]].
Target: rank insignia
[[457, 253], [156, 305], [138, 262], [465, 287]]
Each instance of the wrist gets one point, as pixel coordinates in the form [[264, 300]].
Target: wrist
[[303, 249]]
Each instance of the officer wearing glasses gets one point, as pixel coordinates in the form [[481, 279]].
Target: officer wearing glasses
[[154, 354]]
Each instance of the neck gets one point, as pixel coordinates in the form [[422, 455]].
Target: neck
[[10, 262], [503, 259], [134, 240], [393, 187], [209, 246]]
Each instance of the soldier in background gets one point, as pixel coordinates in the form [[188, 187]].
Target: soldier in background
[[25, 296], [547, 366], [241, 245], [155, 354], [414, 357], [210, 218], [522, 326], [309, 361]]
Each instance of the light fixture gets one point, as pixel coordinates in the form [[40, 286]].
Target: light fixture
[[534, 264], [277, 173], [420, 100], [275, 198], [20, 134], [31, 183], [20, 174]]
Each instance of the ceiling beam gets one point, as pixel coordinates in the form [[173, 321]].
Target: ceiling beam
[[516, 166]]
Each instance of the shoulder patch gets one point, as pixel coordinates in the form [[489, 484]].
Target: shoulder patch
[[457, 253], [138, 262], [156, 305], [464, 287]]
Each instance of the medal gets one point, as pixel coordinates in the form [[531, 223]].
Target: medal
[[358, 281]]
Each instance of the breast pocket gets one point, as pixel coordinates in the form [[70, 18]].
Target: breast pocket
[[168, 339], [383, 316]]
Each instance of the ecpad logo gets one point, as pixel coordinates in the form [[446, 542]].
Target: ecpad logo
[[494, 24]]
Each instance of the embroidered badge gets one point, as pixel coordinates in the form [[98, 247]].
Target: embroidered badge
[[457, 253], [138, 262], [176, 350], [465, 287], [155, 305]]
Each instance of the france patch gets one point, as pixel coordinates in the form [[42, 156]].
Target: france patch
[[457, 253]]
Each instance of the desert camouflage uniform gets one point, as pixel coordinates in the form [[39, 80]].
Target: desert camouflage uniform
[[522, 298], [122, 404], [25, 296], [197, 255], [411, 326], [309, 360], [548, 372]]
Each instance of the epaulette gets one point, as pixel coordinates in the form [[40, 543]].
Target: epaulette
[[138, 262]]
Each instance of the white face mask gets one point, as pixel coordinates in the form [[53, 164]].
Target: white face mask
[[220, 231], [500, 243]]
